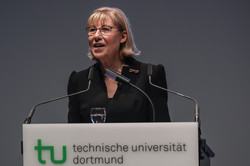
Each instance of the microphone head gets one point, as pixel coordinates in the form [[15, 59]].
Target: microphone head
[[116, 76], [110, 73], [150, 70], [90, 76]]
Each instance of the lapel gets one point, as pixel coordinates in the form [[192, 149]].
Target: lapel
[[132, 71]]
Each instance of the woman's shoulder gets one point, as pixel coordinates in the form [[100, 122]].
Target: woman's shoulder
[[80, 78], [145, 66], [82, 73]]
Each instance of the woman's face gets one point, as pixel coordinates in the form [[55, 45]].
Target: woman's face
[[105, 47]]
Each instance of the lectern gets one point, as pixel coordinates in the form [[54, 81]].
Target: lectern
[[114, 144]]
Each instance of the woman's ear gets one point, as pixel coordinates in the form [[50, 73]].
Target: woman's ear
[[124, 37]]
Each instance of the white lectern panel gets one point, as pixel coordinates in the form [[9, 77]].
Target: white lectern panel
[[125, 144]]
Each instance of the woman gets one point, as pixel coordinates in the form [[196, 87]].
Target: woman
[[111, 44]]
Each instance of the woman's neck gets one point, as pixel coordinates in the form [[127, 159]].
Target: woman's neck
[[114, 64]]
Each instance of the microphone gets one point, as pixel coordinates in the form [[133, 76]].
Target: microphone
[[202, 142], [116, 76], [122, 79], [32, 111], [150, 72]]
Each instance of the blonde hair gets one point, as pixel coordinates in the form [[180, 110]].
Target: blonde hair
[[120, 20]]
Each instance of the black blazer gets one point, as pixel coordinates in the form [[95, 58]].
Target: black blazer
[[128, 104]]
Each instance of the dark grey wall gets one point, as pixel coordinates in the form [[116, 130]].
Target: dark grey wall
[[204, 46]]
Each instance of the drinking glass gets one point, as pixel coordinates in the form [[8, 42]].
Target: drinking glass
[[98, 115]]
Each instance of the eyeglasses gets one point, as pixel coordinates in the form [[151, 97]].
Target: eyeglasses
[[105, 30]]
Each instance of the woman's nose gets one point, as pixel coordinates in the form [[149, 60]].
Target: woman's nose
[[98, 35], [98, 32]]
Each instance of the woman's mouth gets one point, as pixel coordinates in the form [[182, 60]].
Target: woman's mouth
[[98, 46]]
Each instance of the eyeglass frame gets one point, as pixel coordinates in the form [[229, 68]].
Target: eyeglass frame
[[89, 33]]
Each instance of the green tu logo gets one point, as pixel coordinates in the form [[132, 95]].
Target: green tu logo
[[40, 148]]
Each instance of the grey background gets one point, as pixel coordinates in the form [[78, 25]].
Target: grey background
[[204, 46]]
